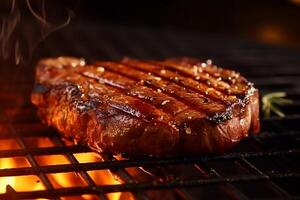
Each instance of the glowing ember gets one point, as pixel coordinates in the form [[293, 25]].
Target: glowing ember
[[58, 180], [101, 177], [19, 183]]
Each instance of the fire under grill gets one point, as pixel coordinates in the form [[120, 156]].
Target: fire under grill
[[36, 163]]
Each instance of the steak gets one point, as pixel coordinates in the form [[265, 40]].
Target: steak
[[146, 107]]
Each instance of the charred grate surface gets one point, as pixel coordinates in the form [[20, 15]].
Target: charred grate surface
[[265, 166]]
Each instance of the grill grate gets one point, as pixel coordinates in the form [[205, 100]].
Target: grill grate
[[264, 166]]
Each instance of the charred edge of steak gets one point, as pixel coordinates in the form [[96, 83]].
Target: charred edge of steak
[[228, 114]]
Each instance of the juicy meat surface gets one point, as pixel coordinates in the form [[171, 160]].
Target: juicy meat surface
[[171, 107]]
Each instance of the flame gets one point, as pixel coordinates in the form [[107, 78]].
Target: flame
[[101, 177], [58, 180], [19, 183]]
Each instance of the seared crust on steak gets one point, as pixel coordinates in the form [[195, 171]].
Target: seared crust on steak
[[137, 107]]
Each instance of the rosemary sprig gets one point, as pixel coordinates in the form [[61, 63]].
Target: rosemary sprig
[[271, 103]]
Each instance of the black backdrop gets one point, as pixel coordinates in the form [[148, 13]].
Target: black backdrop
[[269, 21], [272, 22]]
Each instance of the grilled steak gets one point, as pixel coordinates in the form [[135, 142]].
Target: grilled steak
[[170, 107]]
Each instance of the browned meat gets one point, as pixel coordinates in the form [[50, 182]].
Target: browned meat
[[170, 107]]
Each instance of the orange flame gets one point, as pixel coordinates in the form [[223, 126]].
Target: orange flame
[[58, 180], [19, 183]]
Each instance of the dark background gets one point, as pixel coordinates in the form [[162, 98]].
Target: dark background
[[268, 21], [272, 22]]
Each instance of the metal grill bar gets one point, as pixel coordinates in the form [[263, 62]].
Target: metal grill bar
[[146, 186], [286, 195], [33, 163], [130, 163], [236, 192], [84, 174], [124, 176]]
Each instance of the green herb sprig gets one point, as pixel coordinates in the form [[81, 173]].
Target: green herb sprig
[[271, 103]]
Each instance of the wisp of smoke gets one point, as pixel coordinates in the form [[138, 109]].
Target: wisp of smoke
[[10, 43], [8, 25]]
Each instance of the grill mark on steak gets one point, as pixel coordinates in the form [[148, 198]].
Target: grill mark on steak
[[186, 72], [236, 88], [238, 84], [193, 100], [155, 87], [203, 89], [218, 117], [174, 120], [219, 114], [228, 76], [191, 73], [73, 75], [110, 95], [159, 100], [131, 105]]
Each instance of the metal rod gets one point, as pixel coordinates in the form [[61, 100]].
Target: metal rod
[[147, 186], [83, 174]]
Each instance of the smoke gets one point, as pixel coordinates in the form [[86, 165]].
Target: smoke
[[8, 26], [13, 45]]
